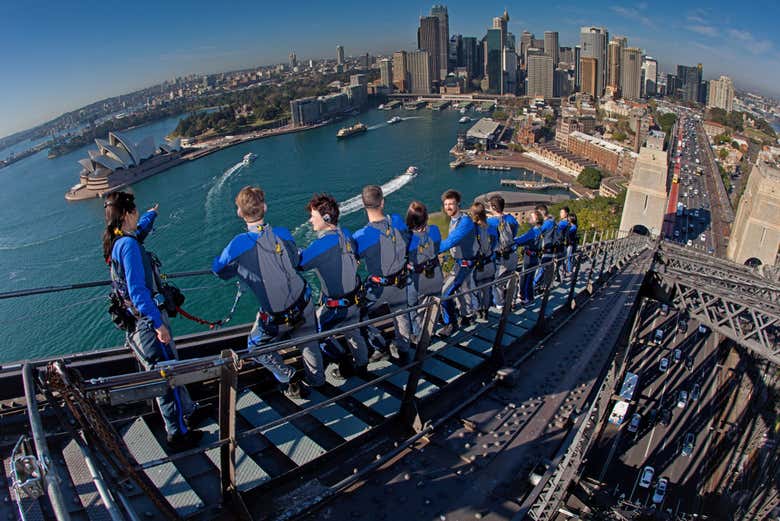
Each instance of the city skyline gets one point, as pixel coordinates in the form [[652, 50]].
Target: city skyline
[[55, 69]]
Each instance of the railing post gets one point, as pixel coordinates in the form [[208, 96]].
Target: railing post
[[497, 353], [573, 286], [228, 394], [540, 320], [409, 413], [603, 262], [593, 256]]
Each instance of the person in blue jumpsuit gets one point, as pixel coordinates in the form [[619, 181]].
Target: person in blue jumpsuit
[[571, 242], [462, 245], [544, 274], [559, 242], [136, 284], [530, 241], [382, 244], [485, 268], [333, 258], [506, 251], [265, 259], [424, 265]]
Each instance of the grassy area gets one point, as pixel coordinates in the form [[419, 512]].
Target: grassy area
[[440, 220]]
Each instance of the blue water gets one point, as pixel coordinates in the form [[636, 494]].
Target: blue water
[[45, 240]]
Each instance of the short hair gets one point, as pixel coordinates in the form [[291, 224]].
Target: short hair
[[565, 209], [478, 213], [496, 202], [251, 201], [416, 215], [451, 194], [538, 215], [326, 205], [573, 218], [372, 196], [541, 208]]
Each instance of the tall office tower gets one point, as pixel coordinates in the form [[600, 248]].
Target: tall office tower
[[594, 45], [293, 60], [509, 67], [538, 43], [721, 94], [631, 73], [455, 54], [429, 39], [540, 75], [566, 55], [614, 55], [650, 68], [440, 12], [702, 86], [471, 57], [563, 85], [551, 47], [502, 22], [386, 73], [589, 75], [493, 61], [689, 79], [577, 67], [525, 44], [339, 55], [420, 64], [400, 71], [672, 85]]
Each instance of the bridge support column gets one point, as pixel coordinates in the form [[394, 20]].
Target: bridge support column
[[575, 275], [541, 319], [497, 353], [228, 394], [409, 413]]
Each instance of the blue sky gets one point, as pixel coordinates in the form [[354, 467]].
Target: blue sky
[[58, 56]]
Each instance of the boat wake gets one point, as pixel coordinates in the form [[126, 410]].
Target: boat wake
[[411, 117], [217, 186], [374, 127]]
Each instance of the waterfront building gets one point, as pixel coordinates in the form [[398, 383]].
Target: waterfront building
[[593, 41], [589, 75], [429, 39], [339, 55], [631, 73], [440, 12], [386, 73], [305, 111], [471, 57], [551, 47], [493, 61], [609, 156], [540, 76], [485, 132], [690, 82], [650, 74], [400, 71], [721, 94], [421, 69]]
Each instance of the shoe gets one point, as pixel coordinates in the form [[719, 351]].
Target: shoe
[[180, 442], [497, 309], [465, 321], [446, 331], [404, 357], [334, 371], [378, 356], [197, 416], [296, 391], [362, 372]]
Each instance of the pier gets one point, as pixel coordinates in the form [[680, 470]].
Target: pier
[[533, 185]]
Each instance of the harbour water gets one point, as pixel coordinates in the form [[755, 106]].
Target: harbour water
[[45, 240]]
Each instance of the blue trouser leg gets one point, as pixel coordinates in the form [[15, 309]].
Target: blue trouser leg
[[543, 271], [527, 284], [394, 297], [330, 318], [460, 278], [569, 258], [175, 405], [503, 268]]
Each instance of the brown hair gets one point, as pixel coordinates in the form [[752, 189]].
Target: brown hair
[[538, 215], [496, 202], [542, 208], [478, 213], [117, 205], [372, 196], [327, 207], [251, 201], [451, 194], [416, 216]]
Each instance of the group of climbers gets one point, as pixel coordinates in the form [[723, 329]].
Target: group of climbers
[[401, 261]]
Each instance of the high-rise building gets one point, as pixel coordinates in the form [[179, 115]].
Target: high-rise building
[[525, 44], [455, 54], [577, 51], [563, 85], [540, 76], [293, 60], [631, 73], [721, 94], [551, 47], [589, 75], [593, 41], [429, 39], [339, 55], [566, 55], [672, 84], [471, 57], [690, 82], [386, 73], [420, 65], [494, 61], [400, 71], [509, 65], [650, 81], [440, 12], [614, 55]]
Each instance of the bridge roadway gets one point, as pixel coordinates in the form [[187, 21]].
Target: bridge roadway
[[477, 465]]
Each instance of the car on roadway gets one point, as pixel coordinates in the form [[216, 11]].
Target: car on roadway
[[664, 309], [682, 399], [702, 329], [689, 243], [677, 355], [663, 365], [660, 491], [666, 416], [682, 326], [689, 362], [687, 447], [658, 336], [636, 420], [676, 234], [703, 238], [695, 392], [646, 478]]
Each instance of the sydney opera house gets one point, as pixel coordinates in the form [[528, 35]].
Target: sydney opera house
[[118, 162]]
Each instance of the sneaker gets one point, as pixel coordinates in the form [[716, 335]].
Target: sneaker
[[446, 331], [497, 309], [465, 321], [197, 416], [180, 442], [404, 357], [334, 371], [378, 356], [296, 391]]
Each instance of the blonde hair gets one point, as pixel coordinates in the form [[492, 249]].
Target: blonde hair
[[251, 201]]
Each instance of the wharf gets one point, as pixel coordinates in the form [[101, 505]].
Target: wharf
[[533, 185]]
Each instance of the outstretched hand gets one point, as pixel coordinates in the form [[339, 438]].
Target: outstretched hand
[[155, 207]]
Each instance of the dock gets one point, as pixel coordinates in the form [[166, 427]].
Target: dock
[[414, 105], [439, 105], [533, 185]]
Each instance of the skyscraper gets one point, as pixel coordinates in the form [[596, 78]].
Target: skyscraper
[[589, 75], [525, 44], [293, 60], [551, 47], [400, 71], [420, 68], [339, 55], [540, 75], [429, 39], [577, 52], [471, 57], [493, 61], [650, 68], [386, 72], [593, 41], [455, 54], [614, 55], [721, 94], [509, 65], [631, 73], [689, 79], [440, 12]]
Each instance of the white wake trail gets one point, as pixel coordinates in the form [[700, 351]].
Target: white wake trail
[[217, 186]]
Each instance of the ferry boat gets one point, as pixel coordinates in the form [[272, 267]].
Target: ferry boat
[[357, 128], [459, 162], [412, 171], [249, 158], [381, 106], [394, 120], [464, 119], [463, 110]]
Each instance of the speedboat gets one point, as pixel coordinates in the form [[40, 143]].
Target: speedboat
[[412, 170], [463, 110], [248, 158], [464, 119], [394, 120]]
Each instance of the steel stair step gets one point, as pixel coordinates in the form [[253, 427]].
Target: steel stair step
[[374, 397], [333, 416], [248, 473]]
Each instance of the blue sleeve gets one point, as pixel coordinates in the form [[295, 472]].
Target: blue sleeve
[[145, 223], [365, 238], [513, 225], [547, 224], [562, 226], [435, 235], [529, 236], [493, 220], [318, 247], [464, 228], [348, 236], [135, 278], [413, 242], [400, 224], [226, 265]]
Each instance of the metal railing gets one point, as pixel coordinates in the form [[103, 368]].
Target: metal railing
[[592, 262]]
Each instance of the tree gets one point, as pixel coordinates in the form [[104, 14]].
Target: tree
[[666, 121], [723, 153], [619, 135], [590, 177]]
